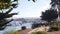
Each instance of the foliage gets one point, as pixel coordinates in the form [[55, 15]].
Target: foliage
[[55, 4], [33, 0], [12, 32], [55, 27], [23, 27], [35, 25], [39, 32], [6, 4], [3, 17], [49, 15]]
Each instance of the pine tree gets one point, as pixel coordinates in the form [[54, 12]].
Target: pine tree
[[6, 4], [33, 0], [55, 4], [49, 15]]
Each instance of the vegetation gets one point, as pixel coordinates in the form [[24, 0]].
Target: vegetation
[[49, 15], [6, 4], [55, 27], [35, 25], [23, 27], [12, 32], [54, 4], [33, 0], [39, 32]]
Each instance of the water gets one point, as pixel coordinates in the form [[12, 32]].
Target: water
[[28, 25]]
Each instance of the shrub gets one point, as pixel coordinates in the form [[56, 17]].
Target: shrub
[[55, 27], [11, 32], [35, 25], [23, 27], [39, 32]]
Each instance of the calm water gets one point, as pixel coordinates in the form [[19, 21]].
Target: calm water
[[28, 25]]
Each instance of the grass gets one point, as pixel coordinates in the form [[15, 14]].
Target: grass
[[39, 32], [11, 32]]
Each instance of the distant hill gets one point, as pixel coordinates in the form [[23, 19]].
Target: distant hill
[[27, 19]]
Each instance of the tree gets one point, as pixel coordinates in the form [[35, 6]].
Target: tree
[[33, 0], [49, 15], [6, 4], [55, 26], [23, 27], [55, 4]]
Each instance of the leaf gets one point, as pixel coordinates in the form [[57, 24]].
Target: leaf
[[33, 0], [14, 5], [9, 10], [15, 0]]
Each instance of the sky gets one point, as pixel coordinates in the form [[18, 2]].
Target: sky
[[30, 9]]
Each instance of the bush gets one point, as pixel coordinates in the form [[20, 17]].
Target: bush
[[39, 32], [35, 25], [11, 32], [23, 27], [55, 27]]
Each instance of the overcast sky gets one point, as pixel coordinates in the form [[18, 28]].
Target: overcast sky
[[30, 9]]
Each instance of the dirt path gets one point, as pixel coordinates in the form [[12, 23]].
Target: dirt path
[[39, 29], [56, 32]]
